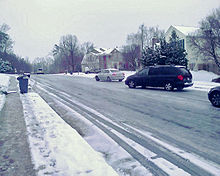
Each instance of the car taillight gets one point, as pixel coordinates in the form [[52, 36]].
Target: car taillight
[[113, 74], [180, 77]]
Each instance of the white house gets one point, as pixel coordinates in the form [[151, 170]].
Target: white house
[[101, 58], [183, 33]]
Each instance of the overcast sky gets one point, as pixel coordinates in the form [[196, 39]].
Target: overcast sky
[[36, 25]]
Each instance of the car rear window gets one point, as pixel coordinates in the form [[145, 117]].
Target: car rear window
[[184, 71]]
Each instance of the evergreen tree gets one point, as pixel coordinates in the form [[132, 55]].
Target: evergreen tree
[[176, 54], [5, 66], [149, 57], [172, 53]]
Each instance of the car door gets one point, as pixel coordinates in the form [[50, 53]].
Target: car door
[[154, 76], [106, 74], [101, 75], [142, 77]]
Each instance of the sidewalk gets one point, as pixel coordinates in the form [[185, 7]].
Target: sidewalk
[[15, 158], [48, 142]]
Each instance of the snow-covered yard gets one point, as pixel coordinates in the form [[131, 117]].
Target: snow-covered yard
[[4, 82]]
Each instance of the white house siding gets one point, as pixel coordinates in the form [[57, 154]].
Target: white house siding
[[90, 61]]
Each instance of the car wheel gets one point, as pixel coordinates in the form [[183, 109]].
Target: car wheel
[[168, 86], [97, 78], [215, 99], [109, 79], [179, 88], [120, 80], [131, 84]]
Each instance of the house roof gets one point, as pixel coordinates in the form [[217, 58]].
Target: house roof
[[98, 50], [186, 30]]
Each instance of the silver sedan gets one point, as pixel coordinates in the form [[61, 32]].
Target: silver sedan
[[110, 75]]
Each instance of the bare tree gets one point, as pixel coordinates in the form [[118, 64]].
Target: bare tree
[[68, 51], [131, 53], [207, 39], [87, 47], [144, 36]]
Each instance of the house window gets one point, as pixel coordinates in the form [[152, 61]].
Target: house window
[[182, 43]]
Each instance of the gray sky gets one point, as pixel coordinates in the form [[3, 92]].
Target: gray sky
[[36, 25]]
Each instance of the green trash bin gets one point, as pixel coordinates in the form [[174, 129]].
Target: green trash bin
[[23, 84]]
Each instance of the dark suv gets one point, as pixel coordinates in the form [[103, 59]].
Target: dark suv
[[166, 76]]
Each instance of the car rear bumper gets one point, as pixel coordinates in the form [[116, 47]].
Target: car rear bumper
[[186, 84], [117, 77]]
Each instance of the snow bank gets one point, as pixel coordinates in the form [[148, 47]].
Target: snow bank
[[203, 76], [202, 80], [4, 82], [56, 148]]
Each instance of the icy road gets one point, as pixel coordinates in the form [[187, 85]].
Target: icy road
[[168, 133]]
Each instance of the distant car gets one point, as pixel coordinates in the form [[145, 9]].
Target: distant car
[[214, 96], [166, 76], [93, 71], [217, 80], [40, 71], [110, 75]]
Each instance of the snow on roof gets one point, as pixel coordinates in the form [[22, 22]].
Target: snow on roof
[[186, 30], [103, 51], [108, 51], [100, 50]]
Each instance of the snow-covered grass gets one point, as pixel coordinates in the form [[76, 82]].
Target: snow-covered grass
[[202, 80], [56, 148], [4, 82], [203, 75]]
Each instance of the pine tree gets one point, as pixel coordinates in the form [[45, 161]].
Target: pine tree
[[167, 53], [149, 57], [176, 54], [5, 66]]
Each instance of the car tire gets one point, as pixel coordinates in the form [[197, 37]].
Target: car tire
[[109, 79], [97, 78], [120, 80], [131, 84], [215, 99], [168, 86]]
